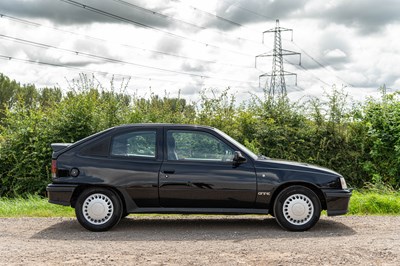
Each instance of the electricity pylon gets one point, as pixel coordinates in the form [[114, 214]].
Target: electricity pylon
[[277, 85]]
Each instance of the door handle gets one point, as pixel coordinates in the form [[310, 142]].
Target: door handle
[[168, 171]]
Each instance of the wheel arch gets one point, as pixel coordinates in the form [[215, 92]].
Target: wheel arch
[[78, 190], [311, 186]]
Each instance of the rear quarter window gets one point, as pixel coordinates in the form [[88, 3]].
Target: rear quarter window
[[99, 148]]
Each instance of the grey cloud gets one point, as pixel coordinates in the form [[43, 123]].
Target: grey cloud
[[41, 56], [334, 49], [56, 11], [193, 67], [169, 45], [373, 77], [91, 47], [190, 90], [248, 11], [193, 88], [66, 14], [367, 16], [80, 63]]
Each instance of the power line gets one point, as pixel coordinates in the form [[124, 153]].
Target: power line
[[35, 24], [240, 25], [320, 64], [111, 60], [229, 21], [256, 13], [248, 10], [307, 70], [214, 15], [36, 62], [130, 21], [181, 21]]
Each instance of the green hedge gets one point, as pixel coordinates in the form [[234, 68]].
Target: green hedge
[[360, 141]]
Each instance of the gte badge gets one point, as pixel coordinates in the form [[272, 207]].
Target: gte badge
[[264, 193]]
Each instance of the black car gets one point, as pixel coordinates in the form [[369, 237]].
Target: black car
[[169, 168]]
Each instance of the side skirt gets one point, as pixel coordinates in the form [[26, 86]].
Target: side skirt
[[200, 210]]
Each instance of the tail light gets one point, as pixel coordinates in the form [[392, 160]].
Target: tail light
[[53, 168]]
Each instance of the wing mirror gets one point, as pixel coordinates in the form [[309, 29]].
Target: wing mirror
[[238, 158]]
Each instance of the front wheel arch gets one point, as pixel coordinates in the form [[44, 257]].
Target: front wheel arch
[[314, 188]]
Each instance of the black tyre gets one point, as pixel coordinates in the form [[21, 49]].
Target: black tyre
[[297, 208], [98, 209]]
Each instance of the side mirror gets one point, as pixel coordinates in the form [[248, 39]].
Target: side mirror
[[238, 158]]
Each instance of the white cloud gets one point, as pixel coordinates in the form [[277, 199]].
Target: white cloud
[[336, 53], [340, 44]]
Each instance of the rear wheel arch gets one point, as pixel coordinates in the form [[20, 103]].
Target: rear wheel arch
[[80, 189]]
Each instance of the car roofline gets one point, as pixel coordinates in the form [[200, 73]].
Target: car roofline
[[163, 125]]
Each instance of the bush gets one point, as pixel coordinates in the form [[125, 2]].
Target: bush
[[360, 141]]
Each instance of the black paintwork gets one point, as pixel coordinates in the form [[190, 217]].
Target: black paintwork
[[159, 185]]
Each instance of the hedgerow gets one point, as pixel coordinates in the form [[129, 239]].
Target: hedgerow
[[360, 141]]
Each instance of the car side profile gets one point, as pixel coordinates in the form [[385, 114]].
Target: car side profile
[[172, 168]]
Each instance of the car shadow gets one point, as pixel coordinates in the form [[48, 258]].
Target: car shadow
[[180, 229]]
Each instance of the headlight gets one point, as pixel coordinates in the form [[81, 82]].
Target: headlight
[[343, 183]]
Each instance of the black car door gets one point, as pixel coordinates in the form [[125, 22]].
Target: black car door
[[198, 172], [134, 164]]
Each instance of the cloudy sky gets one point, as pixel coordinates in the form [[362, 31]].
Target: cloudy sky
[[184, 46]]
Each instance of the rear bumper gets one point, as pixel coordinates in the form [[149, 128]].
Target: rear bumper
[[337, 201], [60, 193]]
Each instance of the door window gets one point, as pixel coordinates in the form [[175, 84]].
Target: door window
[[135, 144], [197, 146]]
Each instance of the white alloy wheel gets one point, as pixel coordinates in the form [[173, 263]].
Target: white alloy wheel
[[298, 209], [97, 209]]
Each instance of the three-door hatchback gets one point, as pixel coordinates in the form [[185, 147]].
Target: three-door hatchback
[[168, 168]]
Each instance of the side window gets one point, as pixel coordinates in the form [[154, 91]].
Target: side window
[[135, 144], [196, 146], [97, 148]]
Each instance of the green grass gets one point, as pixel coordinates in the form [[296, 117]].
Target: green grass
[[374, 203], [32, 206], [361, 203]]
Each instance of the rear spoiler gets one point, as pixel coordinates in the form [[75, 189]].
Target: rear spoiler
[[59, 146]]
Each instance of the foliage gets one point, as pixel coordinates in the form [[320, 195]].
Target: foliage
[[382, 120], [374, 203], [32, 206], [360, 141]]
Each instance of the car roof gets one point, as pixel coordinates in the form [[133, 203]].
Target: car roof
[[164, 125]]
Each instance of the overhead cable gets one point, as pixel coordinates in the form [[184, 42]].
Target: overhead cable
[[112, 60], [35, 24], [140, 24]]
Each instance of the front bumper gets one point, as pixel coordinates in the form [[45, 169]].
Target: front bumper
[[60, 193], [337, 201]]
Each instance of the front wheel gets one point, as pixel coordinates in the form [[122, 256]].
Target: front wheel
[[98, 209], [297, 208]]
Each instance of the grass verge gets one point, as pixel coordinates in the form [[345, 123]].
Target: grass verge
[[361, 203], [374, 203], [32, 206]]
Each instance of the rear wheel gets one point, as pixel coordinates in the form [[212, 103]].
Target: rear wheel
[[98, 209], [297, 208]]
